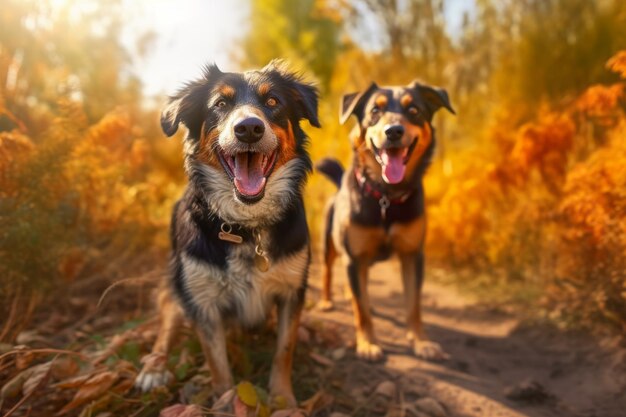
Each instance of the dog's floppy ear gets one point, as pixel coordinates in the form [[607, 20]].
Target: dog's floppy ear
[[307, 102], [353, 103], [305, 94], [187, 105], [434, 97]]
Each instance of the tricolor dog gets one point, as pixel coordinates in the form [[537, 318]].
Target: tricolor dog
[[240, 243], [379, 208]]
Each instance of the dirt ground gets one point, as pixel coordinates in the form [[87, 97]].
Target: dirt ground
[[499, 366]]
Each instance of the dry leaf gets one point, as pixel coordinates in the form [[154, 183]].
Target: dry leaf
[[224, 400], [322, 360], [91, 389], [387, 389], [74, 382], [293, 412], [37, 378], [63, 367], [240, 409], [247, 394], [12, 388], [321, 399], [181, 410]]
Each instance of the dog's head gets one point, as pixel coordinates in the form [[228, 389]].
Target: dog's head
[[395, 133], [244, 131]]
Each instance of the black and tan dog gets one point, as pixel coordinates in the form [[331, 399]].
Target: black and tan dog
[[239, 235], [379, 208]]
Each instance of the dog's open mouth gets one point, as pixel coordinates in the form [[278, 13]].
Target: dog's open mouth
[[249, 172], [393, 161]]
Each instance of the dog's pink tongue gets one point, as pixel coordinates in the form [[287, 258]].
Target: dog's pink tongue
[[249, 178], [393, 166]]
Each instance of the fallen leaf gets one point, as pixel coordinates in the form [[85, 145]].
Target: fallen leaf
[[322, 360], [321, 399], [12, 388], [182, 410], [91, 389], [387, 389], [247, 394], [24, 359], [63, 367], [74, 382], [240, 409], [224, 400], [37, 378], [292, 412]]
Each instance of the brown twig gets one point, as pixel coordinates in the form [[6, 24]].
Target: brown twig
[[6, 328], [133, 280], [57, 351]]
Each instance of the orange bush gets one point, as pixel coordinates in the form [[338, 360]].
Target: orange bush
[[550, 206]]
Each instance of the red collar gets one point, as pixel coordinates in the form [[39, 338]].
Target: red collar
[[376, 193]]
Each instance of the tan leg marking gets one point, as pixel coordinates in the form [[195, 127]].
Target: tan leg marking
[[280, 377], [154, 372]]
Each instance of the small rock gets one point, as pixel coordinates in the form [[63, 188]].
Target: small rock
[[529, 391], [430, 407], [304, 336], [338, 353], [387, 389]]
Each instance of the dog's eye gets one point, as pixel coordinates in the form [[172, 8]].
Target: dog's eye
[[413, 110], [375, 110], [271, 102], [220, 103]]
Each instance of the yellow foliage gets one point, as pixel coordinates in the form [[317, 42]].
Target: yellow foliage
[[618, 63], [549, 207]]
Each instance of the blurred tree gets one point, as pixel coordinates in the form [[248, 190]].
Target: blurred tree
[[62, 50], [302, 32], [408, 38]]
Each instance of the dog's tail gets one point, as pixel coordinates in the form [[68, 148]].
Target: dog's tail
[[332, 169]]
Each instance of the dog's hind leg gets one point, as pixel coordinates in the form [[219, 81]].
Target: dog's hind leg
[[289, 311], [154, 372], [412, 279], [330, 254]]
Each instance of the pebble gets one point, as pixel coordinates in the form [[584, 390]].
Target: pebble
[[430, 407]]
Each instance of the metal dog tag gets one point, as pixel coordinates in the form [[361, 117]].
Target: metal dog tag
[[226, 235], [261, 262]]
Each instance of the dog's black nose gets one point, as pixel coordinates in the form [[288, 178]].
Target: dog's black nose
[[250, 130], [394, 132]]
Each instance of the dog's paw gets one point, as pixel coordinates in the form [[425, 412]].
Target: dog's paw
[[154, 373], [428, 350], [369, 351], [283, 400], [325, 305]]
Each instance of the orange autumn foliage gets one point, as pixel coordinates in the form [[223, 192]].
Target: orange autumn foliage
[[549, 207]]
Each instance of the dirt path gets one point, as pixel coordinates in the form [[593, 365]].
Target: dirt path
[[491, 351]]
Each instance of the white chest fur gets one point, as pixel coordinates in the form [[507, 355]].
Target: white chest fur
[[241, 286]]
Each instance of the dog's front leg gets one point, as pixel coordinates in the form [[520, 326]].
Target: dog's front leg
[[412, 279], [288, 310], [154, 372], [213, 340], [366, 346]]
